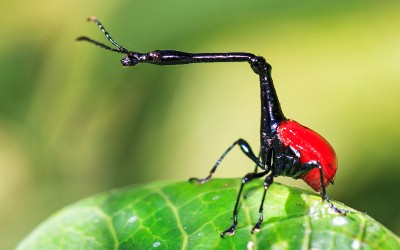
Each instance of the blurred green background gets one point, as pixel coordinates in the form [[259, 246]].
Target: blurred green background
[[74, 123]]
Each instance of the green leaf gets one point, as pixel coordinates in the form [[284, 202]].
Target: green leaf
[[186, 216]]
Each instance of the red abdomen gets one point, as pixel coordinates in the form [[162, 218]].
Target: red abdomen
[[312, 147]]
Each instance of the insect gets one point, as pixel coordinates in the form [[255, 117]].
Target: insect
[[286, 147]]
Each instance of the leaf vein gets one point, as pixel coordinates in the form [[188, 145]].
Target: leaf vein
[[110, 224], [307, 231], [176, 215]]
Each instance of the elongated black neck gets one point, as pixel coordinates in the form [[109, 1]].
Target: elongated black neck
[[271, 112]]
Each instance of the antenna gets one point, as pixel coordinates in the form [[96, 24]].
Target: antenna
[[84, 38]]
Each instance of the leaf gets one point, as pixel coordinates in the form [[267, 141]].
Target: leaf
[[187, 216]]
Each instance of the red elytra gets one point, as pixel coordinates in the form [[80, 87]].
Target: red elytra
[[312, 147]]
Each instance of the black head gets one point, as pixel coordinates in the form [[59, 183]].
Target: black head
[[131, 59]]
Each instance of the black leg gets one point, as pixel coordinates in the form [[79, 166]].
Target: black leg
[[267, 182], [257, 166], [244, 146], [248, 177], [324, 196]]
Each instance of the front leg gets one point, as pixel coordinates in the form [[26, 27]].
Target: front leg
[[246, 149], [248, 177]]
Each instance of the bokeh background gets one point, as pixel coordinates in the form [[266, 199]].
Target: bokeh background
[[74, 123]]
